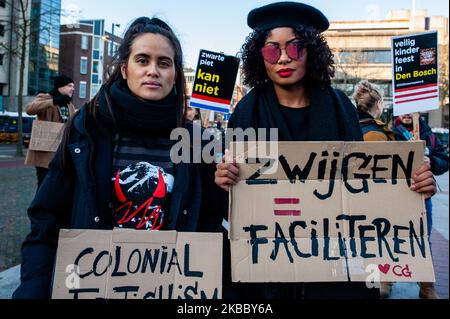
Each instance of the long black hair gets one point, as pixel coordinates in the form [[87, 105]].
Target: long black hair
[[319, 65], [138, 27]]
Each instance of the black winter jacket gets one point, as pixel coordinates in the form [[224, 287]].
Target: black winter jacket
[[436, 151], [84, 203]]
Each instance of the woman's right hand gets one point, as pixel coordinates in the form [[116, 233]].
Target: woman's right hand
[[227, 172]]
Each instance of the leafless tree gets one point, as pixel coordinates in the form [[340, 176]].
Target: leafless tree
[[22, 27], [349, 69]]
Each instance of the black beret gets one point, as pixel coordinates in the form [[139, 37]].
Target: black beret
[[286, 14]]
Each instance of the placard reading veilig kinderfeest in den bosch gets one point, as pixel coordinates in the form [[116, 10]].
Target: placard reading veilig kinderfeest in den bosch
[[214, 81], [415, 73]]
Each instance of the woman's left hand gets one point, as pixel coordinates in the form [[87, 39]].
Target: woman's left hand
[[423, 180]]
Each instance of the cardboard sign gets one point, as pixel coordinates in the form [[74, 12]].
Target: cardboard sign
[[415, 73], [46, 136], [137, 264], [214, 81], [330, 211]]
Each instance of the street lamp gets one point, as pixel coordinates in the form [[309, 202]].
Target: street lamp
[[112, 38]]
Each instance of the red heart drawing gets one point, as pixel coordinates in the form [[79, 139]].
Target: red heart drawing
[[384, 268]]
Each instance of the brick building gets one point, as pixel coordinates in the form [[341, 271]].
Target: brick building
[[86, 53]]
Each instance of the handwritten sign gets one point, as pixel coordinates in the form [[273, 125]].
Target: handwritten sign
[[214, 81], [415, 73], [136, 264], [46, 136], [329, 211]]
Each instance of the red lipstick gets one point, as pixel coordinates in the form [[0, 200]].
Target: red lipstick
[[285, 73]]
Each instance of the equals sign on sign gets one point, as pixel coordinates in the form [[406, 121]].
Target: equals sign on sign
[[286, 212]]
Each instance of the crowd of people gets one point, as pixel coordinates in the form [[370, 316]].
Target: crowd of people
[[125, 130]]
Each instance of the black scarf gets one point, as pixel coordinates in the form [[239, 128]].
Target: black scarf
[[133, 115], [365, 117], [64, 112], [332, 117], [54, 92]]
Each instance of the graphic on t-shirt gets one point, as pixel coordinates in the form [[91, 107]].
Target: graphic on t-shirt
[[64, 113], [140, 196]]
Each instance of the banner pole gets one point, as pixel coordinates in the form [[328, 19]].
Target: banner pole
[[416, 126]]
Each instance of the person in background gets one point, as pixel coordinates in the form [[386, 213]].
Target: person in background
[[368, 98], [193, 114], [438, 158], [54, 106], [369, 102]]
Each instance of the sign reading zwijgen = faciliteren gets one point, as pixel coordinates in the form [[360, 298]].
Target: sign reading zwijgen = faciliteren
[[415, 73], [214, 81]]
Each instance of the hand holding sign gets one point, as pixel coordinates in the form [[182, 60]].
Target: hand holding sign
[[227, 172], [423, 180]]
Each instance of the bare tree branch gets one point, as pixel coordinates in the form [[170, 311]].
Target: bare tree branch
[[22, 27]]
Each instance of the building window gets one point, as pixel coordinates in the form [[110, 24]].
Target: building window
[[96, 55], [94, 89], [2, 30], [95, 78], [98, 27], [95, 66], [82, 89], [96, 43], [84, 42], [363, 57], [1, 58], [110, 49], [83, 65], [3, 3]]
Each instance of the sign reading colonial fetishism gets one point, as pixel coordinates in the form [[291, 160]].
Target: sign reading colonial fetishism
[[138, 264]]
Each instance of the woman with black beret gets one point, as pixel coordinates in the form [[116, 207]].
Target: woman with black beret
[[289, 66]]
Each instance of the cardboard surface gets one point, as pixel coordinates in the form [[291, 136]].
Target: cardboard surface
[[136, 264], [46, 136], [331, 211]]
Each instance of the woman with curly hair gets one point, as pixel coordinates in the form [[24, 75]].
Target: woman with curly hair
[[289, 66]]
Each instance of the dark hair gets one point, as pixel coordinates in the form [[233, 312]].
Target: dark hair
[[156, 26], [198, 114], [319, 65], [138, 27], [367, 95]]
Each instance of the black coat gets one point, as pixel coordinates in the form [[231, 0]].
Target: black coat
[[84, 203], [436, 151], [332, 116]]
